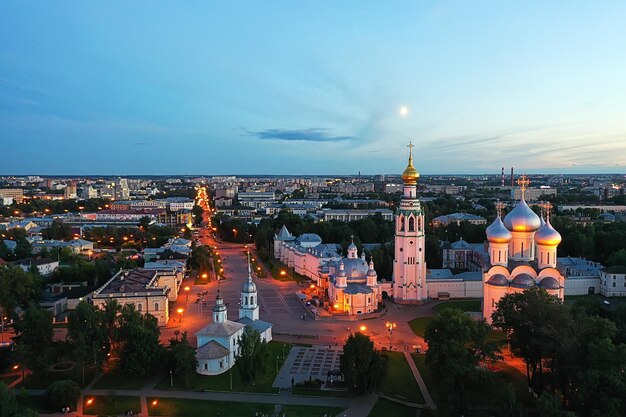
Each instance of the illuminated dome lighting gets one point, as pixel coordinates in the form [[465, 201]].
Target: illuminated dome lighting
[[522, 219], [498, 233], [547, 235]]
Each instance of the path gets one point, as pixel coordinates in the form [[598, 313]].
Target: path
[[420, 381]]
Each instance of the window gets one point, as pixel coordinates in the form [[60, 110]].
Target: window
[[401, 223], [522, 248], [252, 299], [221, 364], [419, 223], [614, 284], [139, 307], [548, 258], [206, 366], [245, 300], [499, 256], [411, 224], [156, 306]]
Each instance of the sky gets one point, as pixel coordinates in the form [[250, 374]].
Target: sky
[[312, 87]]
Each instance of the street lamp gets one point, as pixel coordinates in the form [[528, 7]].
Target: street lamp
[[390, 326], [205, 276], [363, 328], [187, 292], [180, 315]]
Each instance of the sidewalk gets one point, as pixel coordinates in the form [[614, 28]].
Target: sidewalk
[[420, 381]]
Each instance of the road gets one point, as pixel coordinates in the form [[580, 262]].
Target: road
[[280, 306]]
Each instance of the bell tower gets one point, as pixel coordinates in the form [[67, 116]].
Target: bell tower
[[409, 267]]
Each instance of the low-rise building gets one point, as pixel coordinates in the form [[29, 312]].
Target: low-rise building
[[146, 289], [45, 266], [613, 281], [457, 218]]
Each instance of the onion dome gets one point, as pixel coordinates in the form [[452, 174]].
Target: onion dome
[[342, 270], [249, 286], [410, 174], [547, 235], [498, 280], [523, 281], [371, 272], [522, 219], [497, 233], [219, 303], [549, 283]]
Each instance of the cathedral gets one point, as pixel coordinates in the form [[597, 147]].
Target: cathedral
[[218, 342], [522, 253]]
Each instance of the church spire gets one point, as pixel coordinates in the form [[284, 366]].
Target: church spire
[[410, 174]]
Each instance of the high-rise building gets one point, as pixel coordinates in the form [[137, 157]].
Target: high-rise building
[[409, 266]]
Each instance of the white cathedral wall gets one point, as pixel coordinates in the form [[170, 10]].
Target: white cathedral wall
[[456, 288]]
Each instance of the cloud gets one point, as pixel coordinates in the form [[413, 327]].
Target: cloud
[[308, 135]]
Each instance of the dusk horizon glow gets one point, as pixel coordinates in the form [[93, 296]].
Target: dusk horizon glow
[[312, 88]]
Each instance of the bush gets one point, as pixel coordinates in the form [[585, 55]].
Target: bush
[[63, 393]]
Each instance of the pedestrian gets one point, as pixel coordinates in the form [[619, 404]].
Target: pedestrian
[[292, 382]]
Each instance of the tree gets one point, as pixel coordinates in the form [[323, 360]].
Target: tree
[[361, 364], [33, 338], [535, 322], [9, 404], [457, 345], [138, 338], [182, 358], [64, 393], [88, 335], [109, 320], [16, 289], [252, 352]]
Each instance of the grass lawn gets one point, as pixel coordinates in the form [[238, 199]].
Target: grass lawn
[[503, 376], [36, 403], [399, 380], [110, 405], [309, 411], [194, 408], [464, 305], [419, 324], [41, 381], [386, 408], [221, 382], [596, 299], [117, 379]]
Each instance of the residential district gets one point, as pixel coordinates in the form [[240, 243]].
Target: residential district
[[500, 294]]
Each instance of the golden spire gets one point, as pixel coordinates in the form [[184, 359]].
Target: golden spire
[[410, 174]]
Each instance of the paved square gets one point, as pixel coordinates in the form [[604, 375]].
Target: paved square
[[304, 363]]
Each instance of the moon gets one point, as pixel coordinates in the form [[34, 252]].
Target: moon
[[403, 111]]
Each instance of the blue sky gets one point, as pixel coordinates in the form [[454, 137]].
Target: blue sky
[[311, 87]]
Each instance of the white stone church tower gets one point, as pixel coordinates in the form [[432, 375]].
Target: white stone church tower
[[249, 301], [409, 267]]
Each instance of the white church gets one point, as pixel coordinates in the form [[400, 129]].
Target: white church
[[218, 342]]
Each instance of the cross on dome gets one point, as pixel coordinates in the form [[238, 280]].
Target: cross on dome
[[499, 206], [523, 182], [410, 146], [546, 208]]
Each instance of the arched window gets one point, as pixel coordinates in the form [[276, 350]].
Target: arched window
[[522, 248], [548, 254], [156, 306], [401, 223], [419, 223], [251, 299], [139, 307], [411, 224]]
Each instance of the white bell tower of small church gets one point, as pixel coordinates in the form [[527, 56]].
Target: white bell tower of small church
[[249, 301], [409, 266]]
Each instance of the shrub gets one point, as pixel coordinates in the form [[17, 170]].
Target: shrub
[[64, 393]]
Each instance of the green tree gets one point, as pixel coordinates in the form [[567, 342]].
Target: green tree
[[361, 364], [87, 335], [534, 321], [16, 289], [252, 353], [64, 393], [182, 358], [10, 406], [456, 346], [138, 340], [33, 338], [110, 321]]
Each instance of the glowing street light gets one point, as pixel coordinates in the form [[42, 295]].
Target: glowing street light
[[283, 273], [363, 328], [390, 326], [180, 315], [205, 276]]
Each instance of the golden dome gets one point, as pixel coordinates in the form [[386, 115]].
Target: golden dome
[[410, 174]]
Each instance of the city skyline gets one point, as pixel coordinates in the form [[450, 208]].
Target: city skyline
[[311, 89]]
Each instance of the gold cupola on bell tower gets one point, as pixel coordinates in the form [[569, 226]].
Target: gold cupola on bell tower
[[410, 174]]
